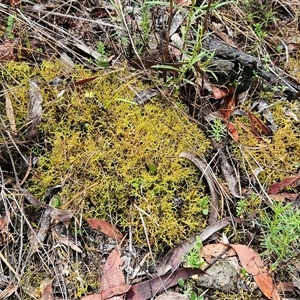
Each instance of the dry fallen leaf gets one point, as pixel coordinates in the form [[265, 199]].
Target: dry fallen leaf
[[257, 126], [105, 228], [147, 289], [174, 258], [113, 280], [4, 224], [283, 196], [34, 109], [253, 264], [10, 111], [218, 92], [278, 186], [47, 293], [7, 51], [214, 250]]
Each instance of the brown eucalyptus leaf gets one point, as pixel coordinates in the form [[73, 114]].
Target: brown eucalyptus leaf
[[105, 228], [147, 289], [252, 262]]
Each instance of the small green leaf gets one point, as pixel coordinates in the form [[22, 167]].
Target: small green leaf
[[55, 202], [181, 282], [205, 211], [135, 185], [151, 166]]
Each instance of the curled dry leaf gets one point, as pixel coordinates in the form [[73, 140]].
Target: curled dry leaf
[[257, 126], [174, 257], [218, 92], [105, 228], [251, 261], [208, 174], [232, 131]]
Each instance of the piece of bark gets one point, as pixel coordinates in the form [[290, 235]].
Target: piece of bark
[[228, 60]]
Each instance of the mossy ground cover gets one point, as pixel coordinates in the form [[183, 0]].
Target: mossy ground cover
[[96, 142], [119, 162], [271, 158]]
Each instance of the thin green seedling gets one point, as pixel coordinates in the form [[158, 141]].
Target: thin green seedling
[[102, 59], [193, 258], [217, 130], [10, 26]]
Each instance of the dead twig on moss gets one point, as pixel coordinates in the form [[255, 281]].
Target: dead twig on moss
[[207, 173]]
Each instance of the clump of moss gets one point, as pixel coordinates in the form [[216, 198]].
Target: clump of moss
[[99, 145], [276, 157]]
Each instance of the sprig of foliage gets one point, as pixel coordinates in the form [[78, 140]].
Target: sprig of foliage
[[281, 233], [10, 26], [217, 130], [102, 60], [193, 258]]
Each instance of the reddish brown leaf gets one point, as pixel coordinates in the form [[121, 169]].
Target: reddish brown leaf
[[278, 186], [112, 275], [251, 261], [218, 93], [232, 131], [213, 250], [4, 225], [48, 292], [7, 51], [147, 289], [229, 104], [112, 281], [105, 228], [85, 80], [257, 125], [246, 128], [283, 196]]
